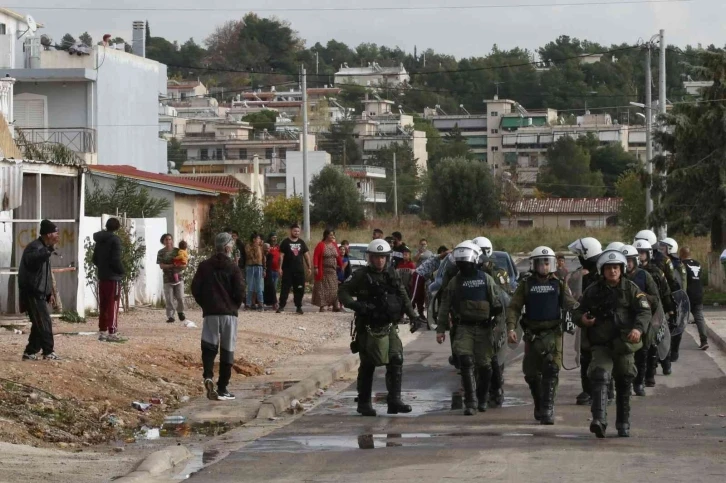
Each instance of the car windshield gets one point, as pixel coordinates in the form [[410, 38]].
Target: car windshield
[[358, 252], [501, 261]]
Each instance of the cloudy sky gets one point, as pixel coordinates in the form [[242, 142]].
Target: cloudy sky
[[457, 31]]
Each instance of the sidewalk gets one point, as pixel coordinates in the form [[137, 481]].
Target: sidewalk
[[716, 326]]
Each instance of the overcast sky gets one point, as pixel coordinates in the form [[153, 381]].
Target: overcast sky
[[461, 32]]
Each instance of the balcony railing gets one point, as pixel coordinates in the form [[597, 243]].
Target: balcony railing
[[77, 139], [366, 170]]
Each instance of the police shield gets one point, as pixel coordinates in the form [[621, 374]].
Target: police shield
[[570, 342], [661, 334], [683, 310], [499, 334], [574, 282]]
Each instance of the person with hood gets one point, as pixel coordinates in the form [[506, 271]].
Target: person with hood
[[107, 259], [35, 287]]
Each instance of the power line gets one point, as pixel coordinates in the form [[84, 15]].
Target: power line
[[349, 9]]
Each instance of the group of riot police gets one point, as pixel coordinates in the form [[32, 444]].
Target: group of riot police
[[621, 299]]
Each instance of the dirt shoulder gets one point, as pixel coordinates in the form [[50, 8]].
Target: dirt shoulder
[[86, 399]]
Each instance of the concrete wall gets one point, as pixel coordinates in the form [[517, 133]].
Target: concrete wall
[[556, 221], [127, 93], [317, 160], [190, 215], [67, 106]]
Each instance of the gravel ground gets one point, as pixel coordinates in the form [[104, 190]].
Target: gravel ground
[[85, 399]]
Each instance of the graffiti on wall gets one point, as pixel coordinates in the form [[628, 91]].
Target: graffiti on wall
[[24, 237]]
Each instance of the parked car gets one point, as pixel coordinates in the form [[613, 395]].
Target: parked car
[[357, 255], [504, 261]]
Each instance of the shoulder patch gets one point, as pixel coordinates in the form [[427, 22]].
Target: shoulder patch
[[644, 303], [641, 294]]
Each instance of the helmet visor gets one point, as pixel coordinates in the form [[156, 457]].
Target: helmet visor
[[543, 265]]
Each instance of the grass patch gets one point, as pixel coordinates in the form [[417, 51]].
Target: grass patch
[[711, 297], [72, 316]]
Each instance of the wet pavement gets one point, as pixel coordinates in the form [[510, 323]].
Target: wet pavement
[[678, 433]]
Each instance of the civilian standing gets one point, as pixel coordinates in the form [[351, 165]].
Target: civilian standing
[[217, 288], [294, 259], [347, 269], [107, 259], [275, 252], [377, 234], [35, 289], [270, 291], [694, 289], [423, 252], [255, 272], [326, 261], [173, 283], [561, 271], [397, 247]]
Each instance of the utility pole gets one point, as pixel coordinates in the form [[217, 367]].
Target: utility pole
[[306, 191], [316, 64], [662, 231], [648, 133], [395, 188], [345, 154]]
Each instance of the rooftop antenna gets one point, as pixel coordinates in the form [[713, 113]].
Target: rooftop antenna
[[32, 26], [497, 83]]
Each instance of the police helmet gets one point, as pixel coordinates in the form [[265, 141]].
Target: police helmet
[[671, 244], [644, 246], [545, 254], [379, 247], [611, 257], [586, 248], [485, 245], [646, 235], [630, 252], [467, 252], [615, 246]]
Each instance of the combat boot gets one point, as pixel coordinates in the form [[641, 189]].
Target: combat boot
[[482, 387], [534, 388], [496, 388], [599, 383], [394, 378], [622, 408], [547, 394], [641, 365], [666, 365], [675, 347], [365, 388], [469, 383], [651, 367]]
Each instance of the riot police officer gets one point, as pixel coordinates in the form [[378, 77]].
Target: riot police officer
[[587, 250], [501, 277], [647, 285], [545, 297], [472, 303], [614, 314], [658, 258], [669, 247], [381, 299], [645, 254]]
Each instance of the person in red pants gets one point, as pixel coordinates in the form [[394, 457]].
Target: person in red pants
[[107, 259]]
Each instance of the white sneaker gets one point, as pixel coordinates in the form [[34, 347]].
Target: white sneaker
[[102, 336], [211, 391]]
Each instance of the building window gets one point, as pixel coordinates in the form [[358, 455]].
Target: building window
[[269, 152], [577, 223], [494, 114], [525, 223], [495, 131], [2, 29], [495, 148], [282, 153], [533, 162], [219, 153], [242, 154], [204, 154]]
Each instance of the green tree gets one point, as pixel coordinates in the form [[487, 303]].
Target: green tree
[[455, 145], [567, 173], [341, 143], [631, 216], [86, 39], [283, 211], [408, 176], [262, 120], [242, 213], [612, 161], [125, 196], [176, 153], [133, 251], [460, 190], [67, 42], [335, 198]]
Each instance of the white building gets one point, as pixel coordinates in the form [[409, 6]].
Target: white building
[[372, 75], [103, 106], [365, 179], [182, 90], [317, 160]]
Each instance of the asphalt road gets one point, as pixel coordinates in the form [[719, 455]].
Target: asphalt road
[[678, 432]]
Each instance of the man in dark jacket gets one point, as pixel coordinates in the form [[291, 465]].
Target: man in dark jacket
[[694, 289], [107, 259], [217, 288], [35, 285]]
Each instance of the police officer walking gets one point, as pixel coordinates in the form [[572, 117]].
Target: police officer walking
[[647, 285], [615, 314], [381, 300], [544, 298], [669, 248], [471, 301]]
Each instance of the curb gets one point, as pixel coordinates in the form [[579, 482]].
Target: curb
[[279, 403], [157, 463], [716, 339]]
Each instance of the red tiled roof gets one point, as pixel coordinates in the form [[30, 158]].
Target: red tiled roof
[[226, 181], [565, 205], [131, 172]]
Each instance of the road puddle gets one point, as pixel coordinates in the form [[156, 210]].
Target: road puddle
[[185, 430]]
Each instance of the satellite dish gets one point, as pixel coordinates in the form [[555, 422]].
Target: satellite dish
[[32, 26]]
